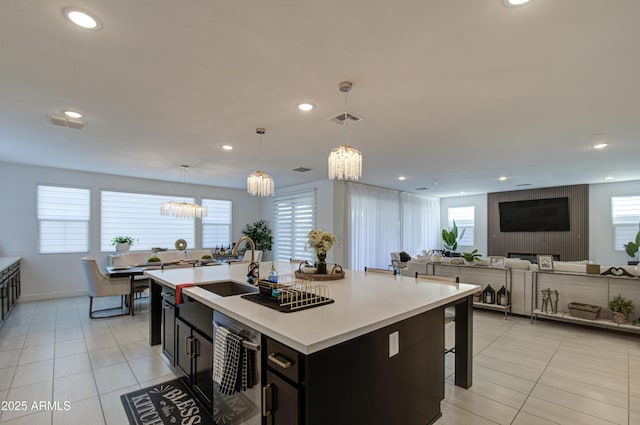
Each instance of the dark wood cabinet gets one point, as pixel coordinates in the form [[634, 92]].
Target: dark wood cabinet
[[281, 401], [201, 368], [9, 289], [360, 381], [194, 358]]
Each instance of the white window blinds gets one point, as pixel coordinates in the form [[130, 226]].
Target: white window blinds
[[63, 219], [216, 226], [625, 215], [138, 215], [294, 215], [465, 220]]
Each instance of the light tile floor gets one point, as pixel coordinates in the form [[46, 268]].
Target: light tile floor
[[548, 373]]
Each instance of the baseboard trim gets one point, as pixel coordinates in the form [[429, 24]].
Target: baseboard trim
[[51, 296]]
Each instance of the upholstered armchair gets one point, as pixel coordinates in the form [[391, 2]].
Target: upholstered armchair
[[100, 285]]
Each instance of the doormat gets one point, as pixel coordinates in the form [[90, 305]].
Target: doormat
[[172, 403]]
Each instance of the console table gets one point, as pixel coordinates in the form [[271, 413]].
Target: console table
[[480, 275], [592, 289]]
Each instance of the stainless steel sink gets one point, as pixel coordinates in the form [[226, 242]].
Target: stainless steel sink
[[228, 289]]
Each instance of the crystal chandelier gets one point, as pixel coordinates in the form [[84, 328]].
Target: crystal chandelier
[[260, 183], [345, 162], [183, 209]]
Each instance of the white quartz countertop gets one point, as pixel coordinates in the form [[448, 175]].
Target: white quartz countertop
[[363, 303], [8, 261]]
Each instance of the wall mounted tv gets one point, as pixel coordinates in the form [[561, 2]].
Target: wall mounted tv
[[537, 215]]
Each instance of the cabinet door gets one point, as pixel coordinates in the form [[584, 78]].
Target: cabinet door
[[183, 347], [202, 378], [169, 331], [282, 401]]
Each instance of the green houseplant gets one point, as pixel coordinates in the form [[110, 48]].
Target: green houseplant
[[632, 247], [122, 243], [450, 239], [621, 307], [471, 257], [260, 234]]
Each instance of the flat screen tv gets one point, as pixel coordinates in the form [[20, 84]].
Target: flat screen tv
[[537, 215]]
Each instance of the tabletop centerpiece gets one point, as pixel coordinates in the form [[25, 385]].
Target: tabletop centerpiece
[[321, 241]]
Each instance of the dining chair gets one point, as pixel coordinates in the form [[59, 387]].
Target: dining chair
[[391, 272], [449, 312], [100, 285]]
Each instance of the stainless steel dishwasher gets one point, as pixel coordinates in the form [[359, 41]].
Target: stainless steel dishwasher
[[245, 405]]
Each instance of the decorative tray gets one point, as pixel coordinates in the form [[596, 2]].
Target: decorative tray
[[336, 274]]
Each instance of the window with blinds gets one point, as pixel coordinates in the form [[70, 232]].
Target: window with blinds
[[216, 226], [138, 215], [294, 215], [625, 215], [63, 219], [465, 220]]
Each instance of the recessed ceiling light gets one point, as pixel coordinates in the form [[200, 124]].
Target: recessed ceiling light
[[609, 178], [463, 193], [502, 178], [515, 3], [305, 107], [600, 146], [82, 18], [227, 147], [401, 178], [73, 114]]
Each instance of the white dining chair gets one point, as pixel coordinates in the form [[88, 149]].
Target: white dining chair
[[100, 285]]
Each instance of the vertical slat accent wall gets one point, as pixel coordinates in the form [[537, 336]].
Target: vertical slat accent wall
[[571, 246]]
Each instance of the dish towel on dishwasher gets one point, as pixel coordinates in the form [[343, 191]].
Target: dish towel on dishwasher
[[233, 363], [219, 353]]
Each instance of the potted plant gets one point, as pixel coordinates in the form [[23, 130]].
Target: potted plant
[[471, 257], [450, 240], [632, 248], [620, 307], [154, 260], [122, 243], [206, 259], [260, 234]]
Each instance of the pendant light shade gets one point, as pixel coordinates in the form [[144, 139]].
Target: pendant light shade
[[183, 209], [345, 162], [260, 183]]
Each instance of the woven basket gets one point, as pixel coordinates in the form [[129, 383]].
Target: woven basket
[[584, 311]]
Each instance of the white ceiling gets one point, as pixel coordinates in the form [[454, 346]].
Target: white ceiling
[[454, 91]]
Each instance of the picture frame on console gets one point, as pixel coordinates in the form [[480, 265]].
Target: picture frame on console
[[545, 262], [496, 261]]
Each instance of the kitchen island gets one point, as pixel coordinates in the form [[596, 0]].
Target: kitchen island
[[373, 356]]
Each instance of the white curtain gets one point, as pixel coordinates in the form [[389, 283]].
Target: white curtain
[[420, 223], [373, 225]]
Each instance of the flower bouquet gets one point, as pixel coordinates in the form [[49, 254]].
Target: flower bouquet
[[321, 241]]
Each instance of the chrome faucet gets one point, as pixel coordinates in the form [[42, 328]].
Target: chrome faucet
[[253, 276]]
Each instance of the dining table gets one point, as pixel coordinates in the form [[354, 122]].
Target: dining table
[[138, 270]]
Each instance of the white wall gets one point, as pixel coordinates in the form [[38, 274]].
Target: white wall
[[600, 226], [59, 275], [480, 204]]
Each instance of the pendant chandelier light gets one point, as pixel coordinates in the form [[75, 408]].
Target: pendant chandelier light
[[260, 183], [183, 209], [345, 162]]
